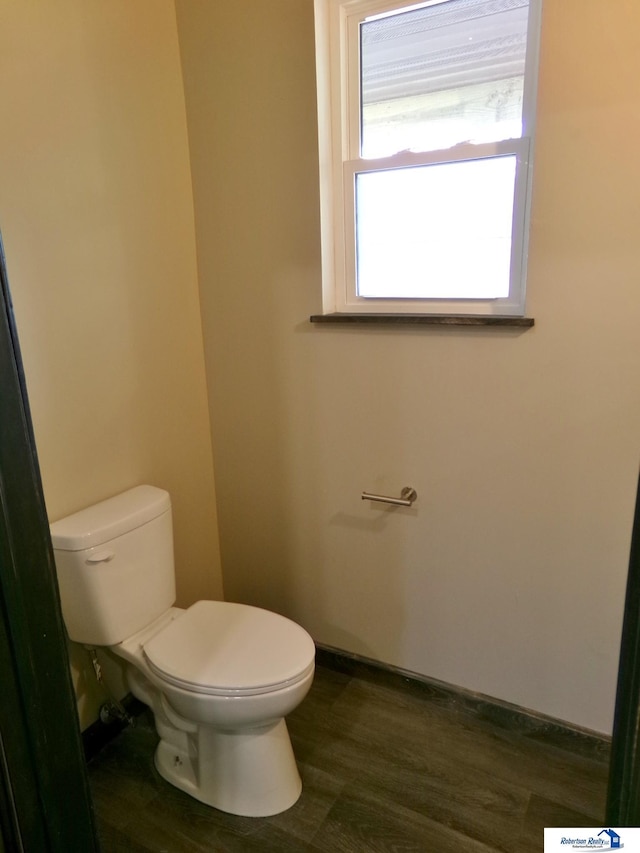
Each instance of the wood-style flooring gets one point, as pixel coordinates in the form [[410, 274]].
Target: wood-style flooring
[[387, 765]]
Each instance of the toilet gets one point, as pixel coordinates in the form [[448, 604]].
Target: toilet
[[219, 677]]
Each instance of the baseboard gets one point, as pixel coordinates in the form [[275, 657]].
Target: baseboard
[[98, 734], [557, 733]]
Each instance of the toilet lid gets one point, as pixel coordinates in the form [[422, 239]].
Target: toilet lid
[[222, 648]]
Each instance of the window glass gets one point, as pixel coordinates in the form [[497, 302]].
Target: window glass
[[445, 74], [440, 231]]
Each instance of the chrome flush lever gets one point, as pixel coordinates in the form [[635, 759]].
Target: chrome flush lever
[[407, 497]]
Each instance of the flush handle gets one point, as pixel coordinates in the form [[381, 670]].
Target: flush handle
[[100, 557]]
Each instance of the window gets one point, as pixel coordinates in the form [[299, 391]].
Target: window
[[426, 127]]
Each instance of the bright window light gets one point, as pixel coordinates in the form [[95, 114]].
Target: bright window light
[[412, 222]]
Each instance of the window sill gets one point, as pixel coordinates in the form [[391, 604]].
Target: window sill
[[424, 320]]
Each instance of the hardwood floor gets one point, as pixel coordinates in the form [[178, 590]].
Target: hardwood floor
[[387, 765]]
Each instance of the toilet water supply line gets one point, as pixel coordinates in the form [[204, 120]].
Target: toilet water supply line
[[112, 709]]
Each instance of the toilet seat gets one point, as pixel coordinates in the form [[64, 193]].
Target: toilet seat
[[226, 649]]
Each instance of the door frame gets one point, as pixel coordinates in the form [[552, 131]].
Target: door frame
[[45, 802], [623, 796]]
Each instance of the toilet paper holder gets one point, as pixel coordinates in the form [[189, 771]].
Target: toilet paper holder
[[407, 497]]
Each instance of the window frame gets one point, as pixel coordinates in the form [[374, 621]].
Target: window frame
[[338, 84]]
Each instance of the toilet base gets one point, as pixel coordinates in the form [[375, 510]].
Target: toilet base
[[251, 773]]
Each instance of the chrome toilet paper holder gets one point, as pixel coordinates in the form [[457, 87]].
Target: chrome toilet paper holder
[[407, 497]]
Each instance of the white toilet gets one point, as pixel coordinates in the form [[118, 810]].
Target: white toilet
[[219, 677]]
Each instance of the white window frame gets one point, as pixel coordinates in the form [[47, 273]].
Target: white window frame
[[338, 87]]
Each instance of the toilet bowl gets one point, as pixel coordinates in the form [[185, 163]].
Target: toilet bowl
[[219, 677]]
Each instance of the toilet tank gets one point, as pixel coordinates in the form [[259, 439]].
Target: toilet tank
[[115, 568]]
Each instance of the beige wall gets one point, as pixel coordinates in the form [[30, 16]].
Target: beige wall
[[97, 217], [508, 575]]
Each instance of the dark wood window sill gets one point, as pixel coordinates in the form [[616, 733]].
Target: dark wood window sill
[[424, 320]]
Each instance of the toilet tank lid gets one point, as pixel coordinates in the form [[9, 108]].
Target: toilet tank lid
[[108, 519]]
